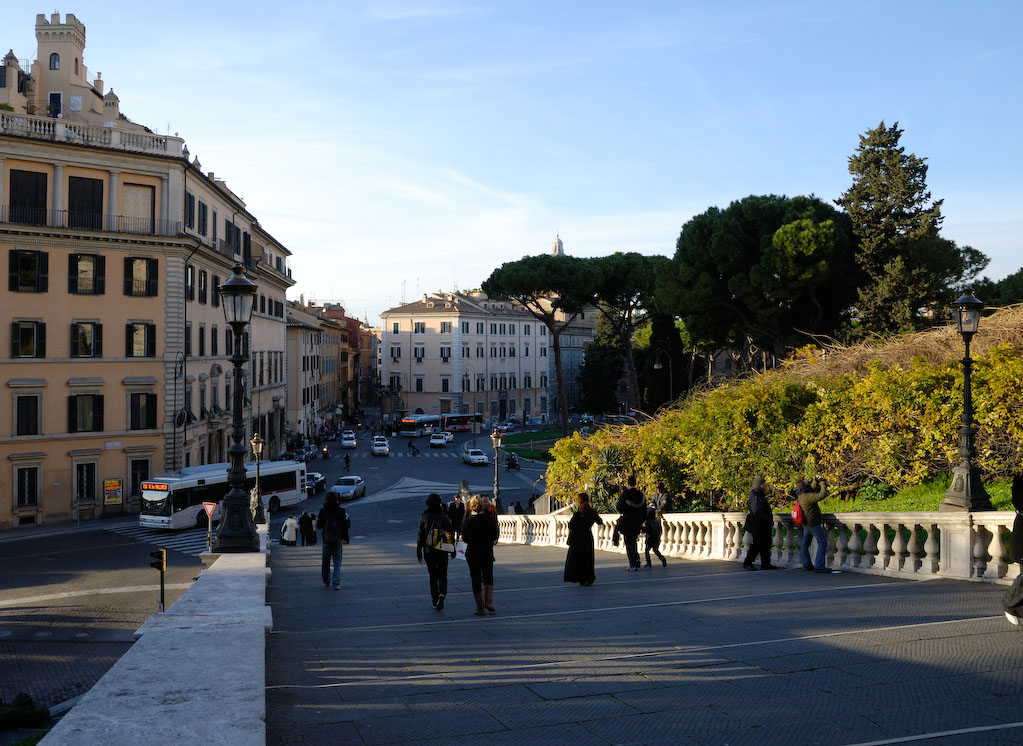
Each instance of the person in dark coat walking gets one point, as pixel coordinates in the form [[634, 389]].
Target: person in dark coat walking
[[1013, 600], [632, 510], [306, 529], [334, 522], [759, 524], [480, 534], [435, 526], [652, 529], [579, 561], [456, 512]]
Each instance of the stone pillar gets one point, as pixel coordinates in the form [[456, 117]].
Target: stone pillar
[[164, 193], [58, 195], [112, 191], [957, 548], [3, 178]]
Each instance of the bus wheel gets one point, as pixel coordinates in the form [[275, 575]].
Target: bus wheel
[[275, 504]]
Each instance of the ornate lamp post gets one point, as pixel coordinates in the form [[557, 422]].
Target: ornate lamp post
[[237, 532], [257, 451], [495, 438], [967, 490]]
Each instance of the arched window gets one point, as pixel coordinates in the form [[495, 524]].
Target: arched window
[[55, 61]]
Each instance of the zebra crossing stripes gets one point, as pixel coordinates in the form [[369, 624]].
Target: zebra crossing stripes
[[190, 541], [395, 453]]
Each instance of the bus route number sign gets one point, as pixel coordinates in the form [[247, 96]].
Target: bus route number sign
[[209, 508]]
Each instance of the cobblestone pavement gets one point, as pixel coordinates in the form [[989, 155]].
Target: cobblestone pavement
[[695, 653]]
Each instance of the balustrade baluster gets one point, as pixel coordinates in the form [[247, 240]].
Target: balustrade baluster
[[869, 548], [841, 547], [777, 541], [979, 551], [996, 549], [898, 549], [884, 548], [931, 561], [913, 560], [852, 558]]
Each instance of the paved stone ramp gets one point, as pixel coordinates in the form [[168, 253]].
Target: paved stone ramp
[[695, 653]]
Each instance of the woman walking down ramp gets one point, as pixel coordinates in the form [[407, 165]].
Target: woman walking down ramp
[[434, 543], [579, 561], [480, 534]]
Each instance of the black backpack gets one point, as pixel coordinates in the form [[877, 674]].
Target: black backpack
[[332, 531]]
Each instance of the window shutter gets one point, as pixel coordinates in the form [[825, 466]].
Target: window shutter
[[74, 340], [72, 273], [44, 272], [15, 340], [72, 414], [127, 275], [12, 268], [150, 340], [127, 340], [101, 275], [151, 278], [41, 339], [151, 411], [97, 412], [97, 346]]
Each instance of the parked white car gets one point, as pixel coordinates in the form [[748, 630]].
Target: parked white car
[[380, 446], [475, 456]]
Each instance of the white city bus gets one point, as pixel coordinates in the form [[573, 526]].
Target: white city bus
[[174, 501], [417, 425]]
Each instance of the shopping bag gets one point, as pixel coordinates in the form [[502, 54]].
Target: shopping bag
[[460, 550]]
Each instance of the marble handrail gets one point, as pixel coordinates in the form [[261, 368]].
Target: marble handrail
[[907, 544]]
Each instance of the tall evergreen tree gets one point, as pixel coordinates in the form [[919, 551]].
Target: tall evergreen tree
[[909, 267]]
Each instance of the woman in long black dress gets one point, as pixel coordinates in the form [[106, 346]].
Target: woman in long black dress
[[579, 562]]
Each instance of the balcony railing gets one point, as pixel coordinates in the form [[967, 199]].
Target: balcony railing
[[80, 133], [88, 221]]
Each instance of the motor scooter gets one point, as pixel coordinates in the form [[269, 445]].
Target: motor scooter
[[326, 453], [511, 462]]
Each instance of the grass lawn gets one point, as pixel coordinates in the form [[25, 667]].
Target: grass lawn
[[922, 497]]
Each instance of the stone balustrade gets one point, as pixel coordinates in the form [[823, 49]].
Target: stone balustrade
[[912, 545], [58, 130]]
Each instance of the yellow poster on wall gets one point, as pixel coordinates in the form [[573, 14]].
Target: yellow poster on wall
[[112, 492]]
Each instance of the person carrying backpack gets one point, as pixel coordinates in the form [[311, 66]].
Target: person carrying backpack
[[334, 522], [434, 542], [808, 495]]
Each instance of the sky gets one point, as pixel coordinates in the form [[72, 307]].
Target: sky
[[409, 146]]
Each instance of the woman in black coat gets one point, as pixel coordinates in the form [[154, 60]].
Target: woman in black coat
[[759, 523], [480, 533], [1013, 601], [579, 561], [434, 519]]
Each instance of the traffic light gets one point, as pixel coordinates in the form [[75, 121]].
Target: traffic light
[[160, 555]]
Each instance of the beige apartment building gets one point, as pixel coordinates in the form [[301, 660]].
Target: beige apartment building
[[462, 353], [306, 407], [117, 243]]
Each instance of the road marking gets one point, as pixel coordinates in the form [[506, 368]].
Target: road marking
[[497, 672], [94, 592], [941, 734]]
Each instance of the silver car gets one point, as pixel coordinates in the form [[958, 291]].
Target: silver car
[[348, 488]]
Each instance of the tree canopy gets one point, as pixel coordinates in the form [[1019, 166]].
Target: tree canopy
[[909, 268], [548, 286]]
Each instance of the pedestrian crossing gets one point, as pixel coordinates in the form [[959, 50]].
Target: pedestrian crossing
[[423, 453], [190, 541]]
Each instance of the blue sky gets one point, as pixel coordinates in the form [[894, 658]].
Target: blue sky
[[410, 146]]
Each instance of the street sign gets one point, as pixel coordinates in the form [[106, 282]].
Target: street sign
[[209, 508]]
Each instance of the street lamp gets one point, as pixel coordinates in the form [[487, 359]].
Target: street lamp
[[967, 490], [495, 438], [257, 451], [671, 374], [472, 382], [237, 532]]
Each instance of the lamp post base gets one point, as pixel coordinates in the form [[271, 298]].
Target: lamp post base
[[236, 532], [966, 493]]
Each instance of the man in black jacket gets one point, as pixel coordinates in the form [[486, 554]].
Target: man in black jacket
[[632, 510], [759, 523], [456, 512], [334, 522]]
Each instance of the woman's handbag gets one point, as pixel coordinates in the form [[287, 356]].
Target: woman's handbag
[[441, 540]]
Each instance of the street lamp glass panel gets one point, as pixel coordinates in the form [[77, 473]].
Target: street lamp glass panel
[[238, 295], [495, 438], [257, 445], [967, 313], [658, 366]]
